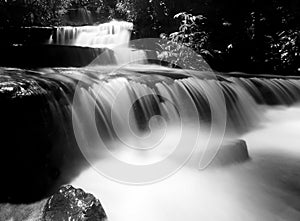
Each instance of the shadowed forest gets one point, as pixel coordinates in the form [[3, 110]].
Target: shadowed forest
[[250, 35]]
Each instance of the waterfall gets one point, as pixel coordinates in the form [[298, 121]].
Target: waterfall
[[114, 35], [145, 96], [103, 35], [141, 124], [140, 136], [172, 97], [160, 111], [132, 111]]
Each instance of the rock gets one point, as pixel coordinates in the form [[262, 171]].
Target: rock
[[73, 204], [67, 204], [40, 56], [22, 212], [231, 152], [36, 133]]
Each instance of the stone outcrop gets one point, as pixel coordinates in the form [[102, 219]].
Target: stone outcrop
[[68, 203], [39, 56], [37, 141], [73, 204], [230, 153]]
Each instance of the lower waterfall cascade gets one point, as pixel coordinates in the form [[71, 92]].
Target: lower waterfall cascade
[[88, 126]]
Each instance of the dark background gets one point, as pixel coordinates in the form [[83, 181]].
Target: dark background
[[250, 36]]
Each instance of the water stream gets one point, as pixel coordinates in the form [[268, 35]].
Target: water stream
[[145, 114]]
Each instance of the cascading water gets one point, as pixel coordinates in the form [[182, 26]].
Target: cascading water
[[159, 96], [97, 112], [114, 35], [103, 35], [202, 195]]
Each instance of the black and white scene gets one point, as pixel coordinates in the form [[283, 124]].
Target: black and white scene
[[150, 110]]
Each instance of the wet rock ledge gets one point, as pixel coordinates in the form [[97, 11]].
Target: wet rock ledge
[[67, 204]]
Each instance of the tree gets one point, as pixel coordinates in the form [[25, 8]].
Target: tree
[[187, 46], [35, 12], [13, 14], [148, 16], [48, 13]]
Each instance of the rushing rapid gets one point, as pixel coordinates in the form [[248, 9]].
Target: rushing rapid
[[142, 114]]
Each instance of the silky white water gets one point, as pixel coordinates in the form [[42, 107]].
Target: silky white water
[[261, 189], [264, 188], [114, 35], [256, 190]]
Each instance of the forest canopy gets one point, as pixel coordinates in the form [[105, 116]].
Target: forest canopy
[[259, 36]]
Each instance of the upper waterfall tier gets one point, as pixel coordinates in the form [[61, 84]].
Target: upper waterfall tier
[[114, 35], [104, 35]]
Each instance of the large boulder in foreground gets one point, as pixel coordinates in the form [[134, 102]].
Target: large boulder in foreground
[[231, 152], [67, 204], [73, 204]]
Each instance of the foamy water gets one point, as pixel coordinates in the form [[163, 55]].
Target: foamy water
[[265, 188], [279, 133]]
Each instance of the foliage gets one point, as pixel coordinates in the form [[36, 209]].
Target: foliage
[[186, 47], [88, 3], [150, 17], [35, 12], [191, 32], [284, 51], [47, 12], [248, 35], [13, 14]]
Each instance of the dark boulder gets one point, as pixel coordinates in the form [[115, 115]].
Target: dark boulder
[[36, 133], [230, 153], [73, 204], [67, 204]]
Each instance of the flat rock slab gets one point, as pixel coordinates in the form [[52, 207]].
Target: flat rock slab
[[67, 204], [40, 56]]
